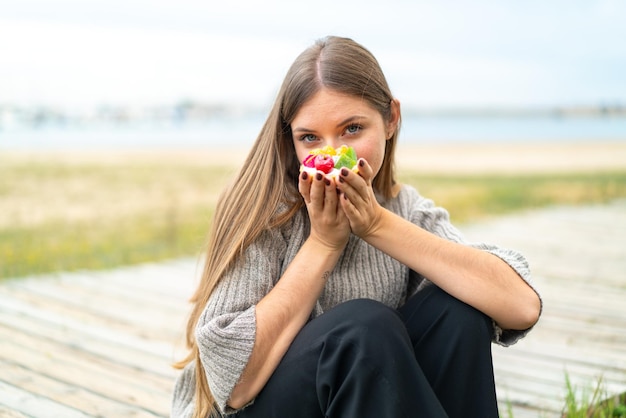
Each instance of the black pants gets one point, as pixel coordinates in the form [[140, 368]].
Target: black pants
[[431, 358]]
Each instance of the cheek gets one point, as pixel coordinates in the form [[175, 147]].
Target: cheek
[[373, 153], [301, 152]]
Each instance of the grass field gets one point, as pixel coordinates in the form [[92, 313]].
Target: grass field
[[63, 214]]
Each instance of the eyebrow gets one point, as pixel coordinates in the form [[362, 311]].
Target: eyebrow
[[340, 124]]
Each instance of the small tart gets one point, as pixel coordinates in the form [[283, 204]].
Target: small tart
[[329, 161]]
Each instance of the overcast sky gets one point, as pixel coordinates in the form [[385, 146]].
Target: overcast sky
[[435, 54]]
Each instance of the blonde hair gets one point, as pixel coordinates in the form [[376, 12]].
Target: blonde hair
[[251, 205]]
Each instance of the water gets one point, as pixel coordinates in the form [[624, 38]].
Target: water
[[243, 131], [132, 136], [512, 129]]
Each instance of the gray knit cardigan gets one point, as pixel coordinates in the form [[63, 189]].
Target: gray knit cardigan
[[226, 330]]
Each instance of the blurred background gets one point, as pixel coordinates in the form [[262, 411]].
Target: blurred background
[[121, 121], [112, 112], [85, 73]]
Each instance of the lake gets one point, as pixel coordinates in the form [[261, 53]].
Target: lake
[[242, 132]]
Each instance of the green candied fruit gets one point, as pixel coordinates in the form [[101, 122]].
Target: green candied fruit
[[347, 159]]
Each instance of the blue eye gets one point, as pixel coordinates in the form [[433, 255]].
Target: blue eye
[[308, 138], [353, 129]]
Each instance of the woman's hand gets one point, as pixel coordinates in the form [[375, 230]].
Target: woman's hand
[[329, 224], [358, 200], [282, 312]]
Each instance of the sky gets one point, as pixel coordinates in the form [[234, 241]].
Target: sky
[[436, 54]]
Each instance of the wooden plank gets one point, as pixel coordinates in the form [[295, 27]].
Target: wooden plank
[[175, 278], [5, 412], [22, 403], [64, 394], [97, 331], [97, 308], [109, 351], [75, 368], [24, 348], [106, 349]]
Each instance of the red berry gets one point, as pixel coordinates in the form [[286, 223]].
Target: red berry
[[324, 163], [309, 161]]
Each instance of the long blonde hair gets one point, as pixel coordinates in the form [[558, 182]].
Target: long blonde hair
[[269, 177]]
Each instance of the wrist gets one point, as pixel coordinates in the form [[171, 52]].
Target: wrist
[[323, 246], [375, 226]]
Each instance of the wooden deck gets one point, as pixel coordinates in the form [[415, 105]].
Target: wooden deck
[[578, 257], [101, 343]]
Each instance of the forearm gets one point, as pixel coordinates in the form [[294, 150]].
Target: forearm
[[476, 277], [282, 313]]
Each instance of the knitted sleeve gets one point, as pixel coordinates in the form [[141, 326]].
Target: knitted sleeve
[[227, 329], [435, 219]]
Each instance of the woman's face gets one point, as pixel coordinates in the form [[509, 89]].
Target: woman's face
[[332, 118]]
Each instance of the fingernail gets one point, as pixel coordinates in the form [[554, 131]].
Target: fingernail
[[344, 171], [341, 179], [318, 176], [361, 163], [327, 182], [304, 175]]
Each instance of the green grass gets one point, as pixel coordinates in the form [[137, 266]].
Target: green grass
[[64, 246], [592, 402], [62, 216], [474, 197], [59, 215]]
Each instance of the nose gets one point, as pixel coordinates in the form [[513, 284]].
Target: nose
[[332, 141]]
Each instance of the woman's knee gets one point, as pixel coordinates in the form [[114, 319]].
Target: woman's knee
[[464, 315], [367, 313], [369, 324], [434, 308]]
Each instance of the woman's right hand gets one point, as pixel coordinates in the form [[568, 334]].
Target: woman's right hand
[[282, 312], [329, 224]]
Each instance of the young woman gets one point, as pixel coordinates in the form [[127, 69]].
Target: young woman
[[352, 297]]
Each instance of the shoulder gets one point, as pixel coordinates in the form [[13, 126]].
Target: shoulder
[[408, 199], [263, 257], [420, 210], [293, 226]]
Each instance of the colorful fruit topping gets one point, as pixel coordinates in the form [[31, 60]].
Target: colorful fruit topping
[[347, 158], [330, 161], [328, 150], [324, 163], [309, 161]]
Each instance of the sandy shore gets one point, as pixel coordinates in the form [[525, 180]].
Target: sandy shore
[[531, 157]]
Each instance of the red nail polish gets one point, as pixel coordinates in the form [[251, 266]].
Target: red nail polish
[[344, 171], [361, 163], [304, 175], [318, 176], [327, 181]]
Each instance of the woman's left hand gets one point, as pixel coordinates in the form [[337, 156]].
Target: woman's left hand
[[358, 200]]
